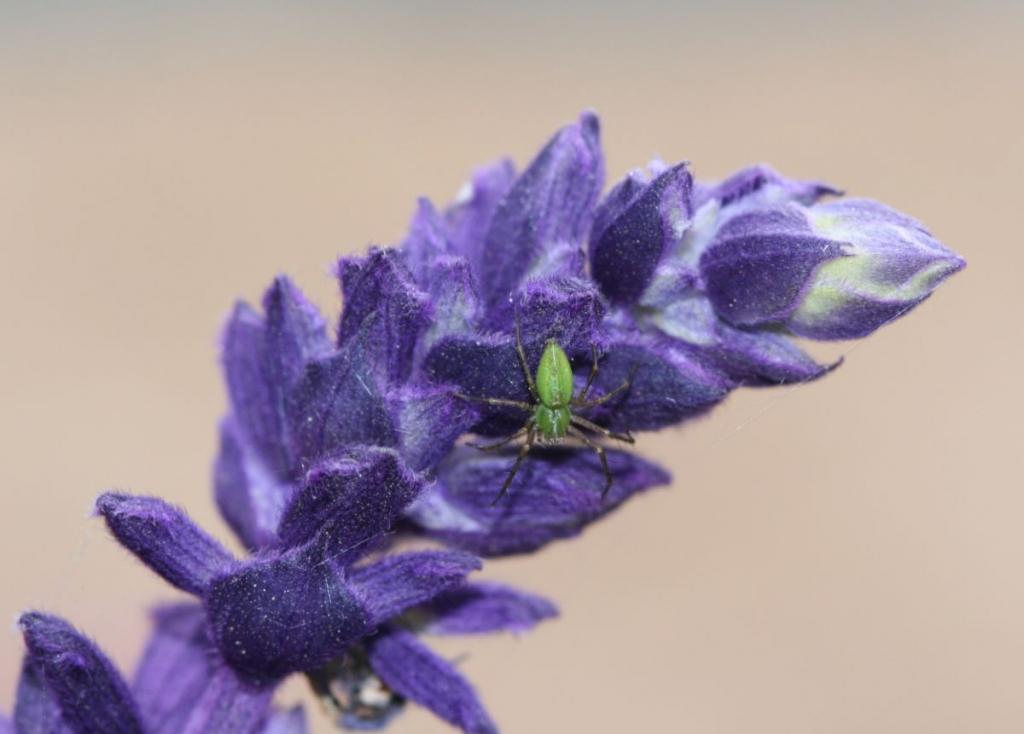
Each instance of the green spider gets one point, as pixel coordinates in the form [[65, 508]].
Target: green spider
[[551, 412]]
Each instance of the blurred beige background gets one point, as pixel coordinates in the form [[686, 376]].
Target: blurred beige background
[[844, 557]]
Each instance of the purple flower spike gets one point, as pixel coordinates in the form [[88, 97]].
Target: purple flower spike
[[543, 219], [88, 690], [830, 271], [410, 668], [555, 495]]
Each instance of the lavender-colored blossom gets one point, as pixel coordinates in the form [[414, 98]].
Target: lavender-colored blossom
[[68, 685], [338, 446], [306, 604]]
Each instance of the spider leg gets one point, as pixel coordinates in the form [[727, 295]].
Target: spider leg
[[523, 451], [523, 364], [496, 401], [495, 446], [599, 450], [580, 402], [582, 397], [581, 422]]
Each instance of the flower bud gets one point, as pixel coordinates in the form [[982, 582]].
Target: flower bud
[[830, 271]]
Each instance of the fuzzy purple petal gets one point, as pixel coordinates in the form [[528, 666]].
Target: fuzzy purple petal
[[455, 305], [469, 217], [762, 358], [410, 668], [361, 492], [263, 357], [620, 198], [747, 356], [556, 493], [566, 310], [340, 402], [250, 497], [550, 205], [668, 384], [625, 253], [36, 710], [175, 668], [393, 584], [429, 420], [485, 607], [229, 705], [165, 539], [484, 366], [763, 185], [426, 242], [90, 692], [279, 614], [384, 312], [6, 725]]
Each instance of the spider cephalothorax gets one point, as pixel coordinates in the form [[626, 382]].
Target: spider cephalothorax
[[551, 413]]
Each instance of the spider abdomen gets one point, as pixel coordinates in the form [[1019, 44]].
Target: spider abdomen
[[552, 423]]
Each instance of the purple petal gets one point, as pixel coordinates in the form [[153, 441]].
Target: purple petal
[[748, 357], [621, 196], [339, 402], [164, 538], [625, 253], [758, 269], [283, 613], [566, 310], [426, 242], [456, 306], [763, 358], [668, 384], [469, 217], [486, 607], [361, 493], [411, 669], [550, 204], [385, 312], [763, 185], [88, 689], [292, 721], [430, 419], [36, 710], [395, 583], [229, 705], [175, 668], [483, 366], [263, 358], [556, 493], [250, 498], [7, 726]]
